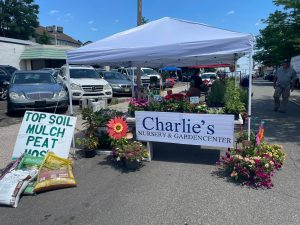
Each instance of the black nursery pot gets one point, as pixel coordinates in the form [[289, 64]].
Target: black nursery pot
[[89, 153]]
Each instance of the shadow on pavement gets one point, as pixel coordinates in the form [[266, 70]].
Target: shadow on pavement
[[184, 154]]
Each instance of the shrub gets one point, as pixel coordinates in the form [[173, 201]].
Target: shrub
[[233, 104], [216, 96]]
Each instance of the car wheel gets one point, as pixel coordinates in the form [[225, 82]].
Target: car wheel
[[3, 94]]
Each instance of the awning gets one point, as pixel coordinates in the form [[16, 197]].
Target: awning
[[45, 52]]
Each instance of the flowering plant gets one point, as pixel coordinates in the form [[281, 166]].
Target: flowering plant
[[123, 148], [117, 128], [253, 166], [137, 105], [132, 151]]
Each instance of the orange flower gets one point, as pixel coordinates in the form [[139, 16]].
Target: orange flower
[[117, 128]]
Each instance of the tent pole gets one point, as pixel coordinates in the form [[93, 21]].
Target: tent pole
[[69, 88], [70, 96], [250, 94]]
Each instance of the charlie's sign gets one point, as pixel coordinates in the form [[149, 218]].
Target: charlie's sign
[[42, 132], [182, 128]]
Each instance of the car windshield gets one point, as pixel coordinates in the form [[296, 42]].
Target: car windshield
[[113, 76], [33, 78], [84, 73], [149, 72]]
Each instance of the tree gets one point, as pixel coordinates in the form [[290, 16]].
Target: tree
[[18, 18], [280, 39], [44, 39]]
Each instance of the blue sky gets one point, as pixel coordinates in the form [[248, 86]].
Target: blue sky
[[96, 19]]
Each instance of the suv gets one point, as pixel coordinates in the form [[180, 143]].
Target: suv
[[128, 73], [85, 82]]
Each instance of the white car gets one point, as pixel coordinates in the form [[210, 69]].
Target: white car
[[208, 78], [85, 83]]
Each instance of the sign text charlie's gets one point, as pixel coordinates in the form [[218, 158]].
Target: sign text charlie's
[[182, 128], [42, 132]]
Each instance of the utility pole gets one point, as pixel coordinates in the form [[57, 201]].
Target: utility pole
[[138, 70]]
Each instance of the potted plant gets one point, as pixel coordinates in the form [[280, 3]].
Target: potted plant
[[124, 150], [89, 145], [131, 153]]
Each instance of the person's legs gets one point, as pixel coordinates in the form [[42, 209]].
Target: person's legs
[[285, 98], [277, 94]]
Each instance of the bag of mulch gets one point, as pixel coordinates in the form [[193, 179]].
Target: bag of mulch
[[13, 184], [10, 167], [55, 173], [30, 162]]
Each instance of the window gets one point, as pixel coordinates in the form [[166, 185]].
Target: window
[[83, 73]]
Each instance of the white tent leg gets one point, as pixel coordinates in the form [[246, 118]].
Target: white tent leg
[[250, 94], [70, 95]]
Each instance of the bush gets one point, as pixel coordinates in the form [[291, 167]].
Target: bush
[[217, 94], [233, 104]]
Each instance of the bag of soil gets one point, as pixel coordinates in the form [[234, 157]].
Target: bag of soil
[[30, 162], [13, 184], [55, 173]]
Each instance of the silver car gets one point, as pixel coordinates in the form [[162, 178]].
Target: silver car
[[35, 90]]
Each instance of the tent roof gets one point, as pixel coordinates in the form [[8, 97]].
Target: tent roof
[[165, 42]]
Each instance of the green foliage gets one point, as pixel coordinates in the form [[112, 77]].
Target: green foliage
[[216, 96], [88, 143], [44, 39], [280, 39], [233, 104], [18, 18], [244, 96]]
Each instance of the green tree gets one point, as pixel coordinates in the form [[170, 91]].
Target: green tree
[[18, 18], [44, 39], [280, 39]]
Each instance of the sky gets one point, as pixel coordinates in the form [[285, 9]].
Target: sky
[[92, 20]]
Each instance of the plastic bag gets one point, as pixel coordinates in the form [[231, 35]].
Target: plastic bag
[[55, 173], [29, 162], [13, 184]]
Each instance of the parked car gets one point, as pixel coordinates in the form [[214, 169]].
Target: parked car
[[7, 70], [119, 83], [269, 76], [85, 83], [54, 71], [128, 73], [4, 82], [32, 90], [208, 78]]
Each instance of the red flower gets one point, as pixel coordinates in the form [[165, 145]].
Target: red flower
[[117, 128]]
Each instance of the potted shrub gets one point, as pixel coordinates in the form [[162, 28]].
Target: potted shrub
[[89, 145]]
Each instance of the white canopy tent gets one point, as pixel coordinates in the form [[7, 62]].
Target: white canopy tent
[[168, 42]]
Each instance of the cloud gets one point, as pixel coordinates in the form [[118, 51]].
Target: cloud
[[53, 12], [230, 12], [91, 22], [117, 20], [257, 24], [94, 29], [68, 15]]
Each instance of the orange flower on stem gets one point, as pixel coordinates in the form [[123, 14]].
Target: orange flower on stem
[[117, 128]]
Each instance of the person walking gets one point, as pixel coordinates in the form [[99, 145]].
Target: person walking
[[284, 83]]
